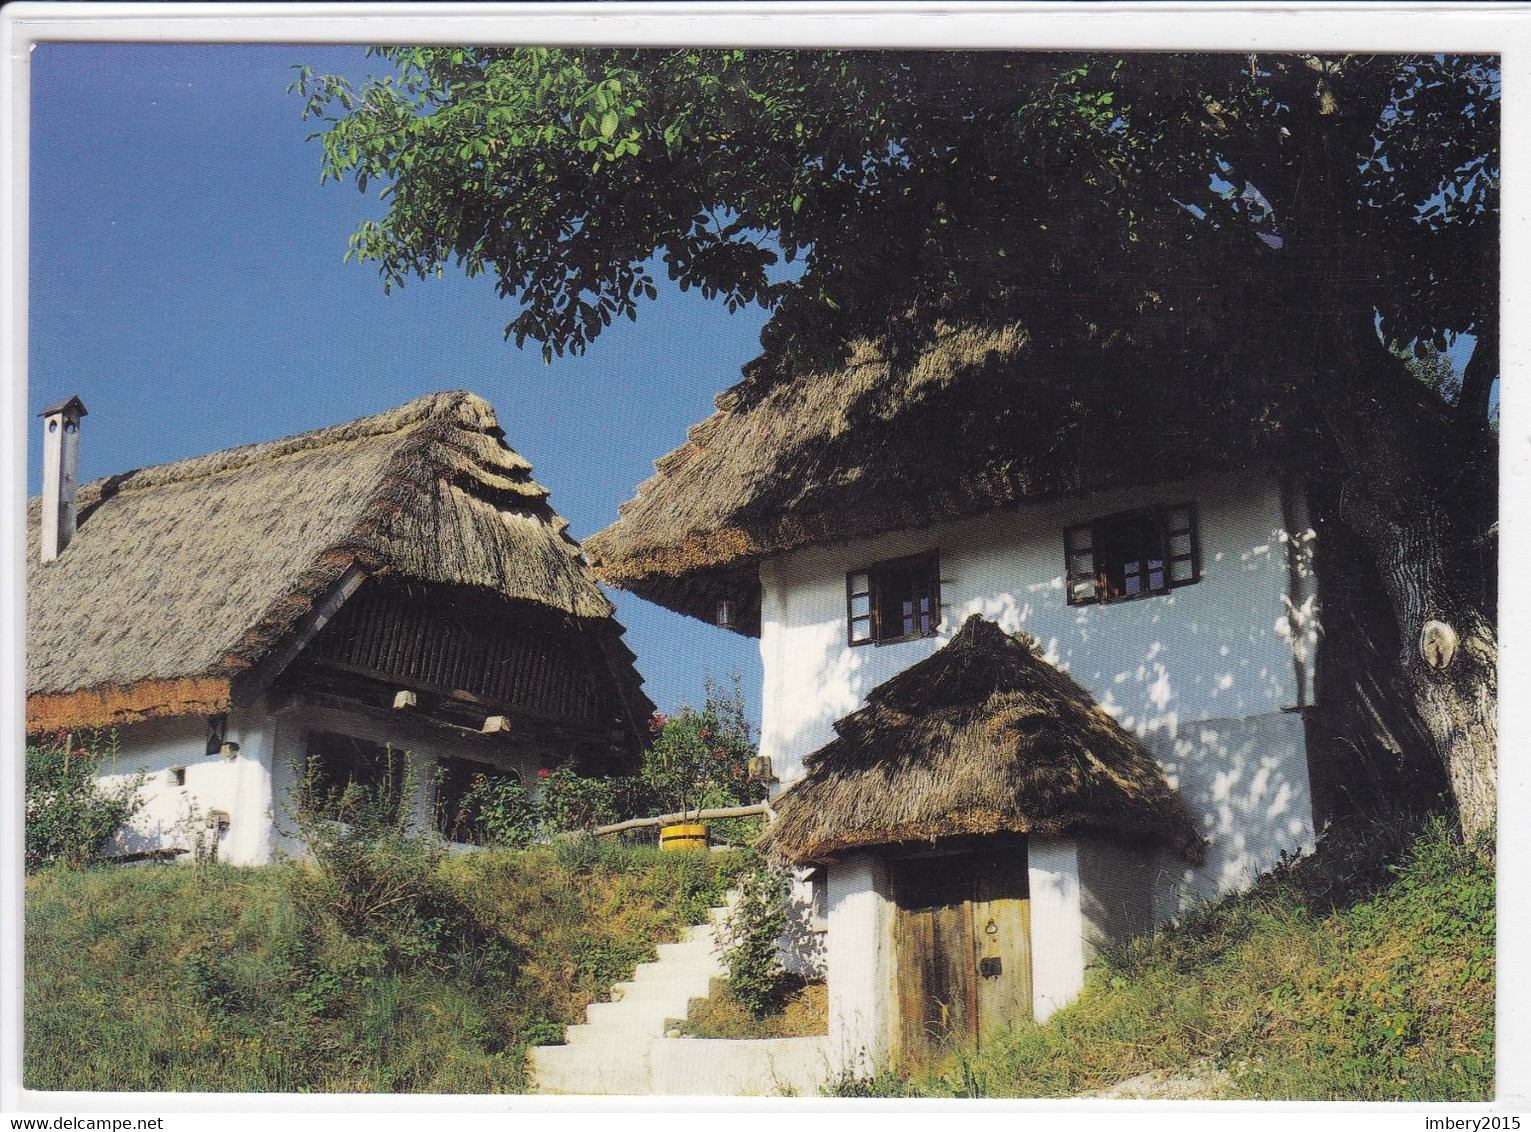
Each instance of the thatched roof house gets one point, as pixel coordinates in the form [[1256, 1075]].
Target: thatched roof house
[[977, 418], [188, 587], [982, 737]]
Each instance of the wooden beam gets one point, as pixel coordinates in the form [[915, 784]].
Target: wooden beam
[[595, 729], [757, 810], [257, 679]]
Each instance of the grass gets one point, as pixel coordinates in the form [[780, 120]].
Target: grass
[[221, 979], [1365, 972], [799, 1009]]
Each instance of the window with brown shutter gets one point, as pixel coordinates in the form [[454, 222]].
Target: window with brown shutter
[[1132, 554], [893, 601]]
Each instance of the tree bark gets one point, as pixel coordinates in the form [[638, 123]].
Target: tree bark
[[1411, 476], [1389, 445]]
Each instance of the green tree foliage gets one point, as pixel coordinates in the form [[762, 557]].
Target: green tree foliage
[[700, 758], [1212, 220], [70, 816], [565, 171]]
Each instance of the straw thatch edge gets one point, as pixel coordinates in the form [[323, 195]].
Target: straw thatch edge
[[973, 823], [115, 706]]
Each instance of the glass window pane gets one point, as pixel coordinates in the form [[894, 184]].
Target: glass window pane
[[1156, 580], [861, 584], [861, 605], [1180, 544], [1180, 570], [861, 628], [1082, 564], [1083, 591], [1179, 518], [1132, 585]]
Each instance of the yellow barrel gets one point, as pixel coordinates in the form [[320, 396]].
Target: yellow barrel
[[683, 837]]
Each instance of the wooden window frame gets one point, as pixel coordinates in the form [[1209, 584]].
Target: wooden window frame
[[1173, 521], [931, 560]]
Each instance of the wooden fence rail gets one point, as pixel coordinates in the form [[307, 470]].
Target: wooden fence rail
[[759, 808]]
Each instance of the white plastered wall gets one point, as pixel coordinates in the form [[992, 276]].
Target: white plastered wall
[[1208, 675], [859, 965], [801, 945], [254, 787], [1057, 926], [1116, 888], [176, 816]]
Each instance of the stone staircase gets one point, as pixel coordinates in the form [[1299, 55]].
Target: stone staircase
[[621, 1049]]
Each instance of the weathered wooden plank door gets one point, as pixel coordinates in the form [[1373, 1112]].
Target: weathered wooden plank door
[[1002, 943], [962, 946]]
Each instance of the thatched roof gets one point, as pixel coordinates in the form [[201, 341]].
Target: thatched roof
[[982, 737], [183, 576], [979, 417]]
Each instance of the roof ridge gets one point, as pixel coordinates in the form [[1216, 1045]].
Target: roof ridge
[[411, 414]]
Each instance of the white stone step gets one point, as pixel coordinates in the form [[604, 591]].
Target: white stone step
[[699, 949], [637, 1015], [610, 1053], [681, 988], [680, 968], [606, 1068]]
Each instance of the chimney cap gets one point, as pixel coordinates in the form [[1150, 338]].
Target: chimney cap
[[73, 402]]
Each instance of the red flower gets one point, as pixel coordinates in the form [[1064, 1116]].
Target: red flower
[[544, 772]]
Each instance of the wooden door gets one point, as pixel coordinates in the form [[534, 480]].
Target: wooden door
[[1001, 911], [962, 948]]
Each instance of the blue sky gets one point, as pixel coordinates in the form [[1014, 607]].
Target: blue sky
[[187, 280]]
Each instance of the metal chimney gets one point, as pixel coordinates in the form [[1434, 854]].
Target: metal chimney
[[61, 474]]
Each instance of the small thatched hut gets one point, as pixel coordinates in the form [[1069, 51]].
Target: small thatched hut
[[982, 824], [398, 581], [982, 737]]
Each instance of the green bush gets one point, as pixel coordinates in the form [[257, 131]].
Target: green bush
[[69, 815], [378, 882], [698, 759], [749, 937], [569, 802], [495, 810]]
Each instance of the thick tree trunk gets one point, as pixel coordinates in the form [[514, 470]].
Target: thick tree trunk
[[1394, 456], [1457, 701]]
